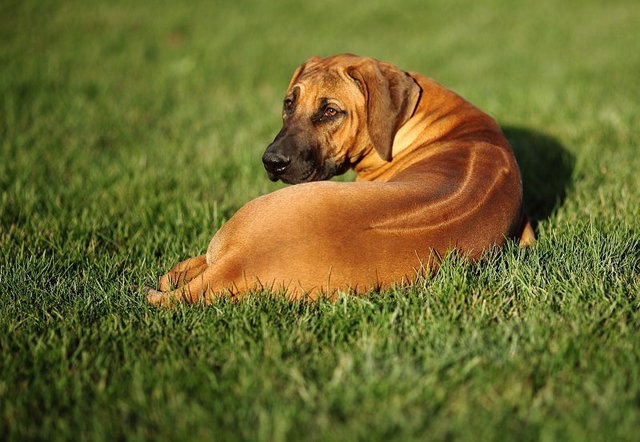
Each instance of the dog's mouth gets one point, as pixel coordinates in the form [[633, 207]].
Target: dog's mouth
[[304, 179], [308, 175], [308, 172], [277, 174]]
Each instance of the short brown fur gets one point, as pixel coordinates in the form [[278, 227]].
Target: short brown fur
[[434, 174]]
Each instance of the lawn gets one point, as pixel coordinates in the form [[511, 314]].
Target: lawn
[[131, 130]]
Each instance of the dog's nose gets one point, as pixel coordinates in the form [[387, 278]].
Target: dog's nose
[[275, 162]]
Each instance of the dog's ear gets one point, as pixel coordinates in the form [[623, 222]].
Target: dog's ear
[[391, 97]]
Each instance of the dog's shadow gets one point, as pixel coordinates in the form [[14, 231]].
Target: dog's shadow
[[547, 169]]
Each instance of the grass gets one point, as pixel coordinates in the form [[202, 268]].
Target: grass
[[131, 131]]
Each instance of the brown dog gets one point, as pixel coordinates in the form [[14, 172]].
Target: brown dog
[[434, 175]]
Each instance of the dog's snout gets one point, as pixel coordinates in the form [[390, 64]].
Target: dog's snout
[[275, 162]]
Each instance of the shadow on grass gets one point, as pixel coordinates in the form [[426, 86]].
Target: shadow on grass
[[546, 168]]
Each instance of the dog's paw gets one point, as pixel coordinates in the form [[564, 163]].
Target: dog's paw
[[158, 298]]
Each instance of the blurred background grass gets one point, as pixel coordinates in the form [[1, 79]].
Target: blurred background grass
[[141, 89]]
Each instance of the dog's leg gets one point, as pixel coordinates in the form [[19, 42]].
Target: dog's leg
[[197, 289], [183, 272]]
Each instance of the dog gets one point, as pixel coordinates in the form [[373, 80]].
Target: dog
[[434, 175]]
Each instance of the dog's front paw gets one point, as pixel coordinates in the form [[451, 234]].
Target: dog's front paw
[[158, 298]]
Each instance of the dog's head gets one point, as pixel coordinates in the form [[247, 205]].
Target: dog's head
[[337, 111]]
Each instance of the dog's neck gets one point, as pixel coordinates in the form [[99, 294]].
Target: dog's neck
[[435, 121]]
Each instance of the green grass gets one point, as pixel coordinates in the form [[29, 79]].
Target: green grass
[[130, 131]]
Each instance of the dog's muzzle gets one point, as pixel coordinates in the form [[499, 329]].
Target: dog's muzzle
[[291, 159], [296, 158]]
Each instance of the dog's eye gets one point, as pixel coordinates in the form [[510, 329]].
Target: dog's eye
[[288, 103], [329, 112]]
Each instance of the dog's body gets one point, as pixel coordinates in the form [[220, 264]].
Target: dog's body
[[434, 175]]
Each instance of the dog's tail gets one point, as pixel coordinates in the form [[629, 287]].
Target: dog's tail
[[526, 236]]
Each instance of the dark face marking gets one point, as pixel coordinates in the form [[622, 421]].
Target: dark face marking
[[301, 150]]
